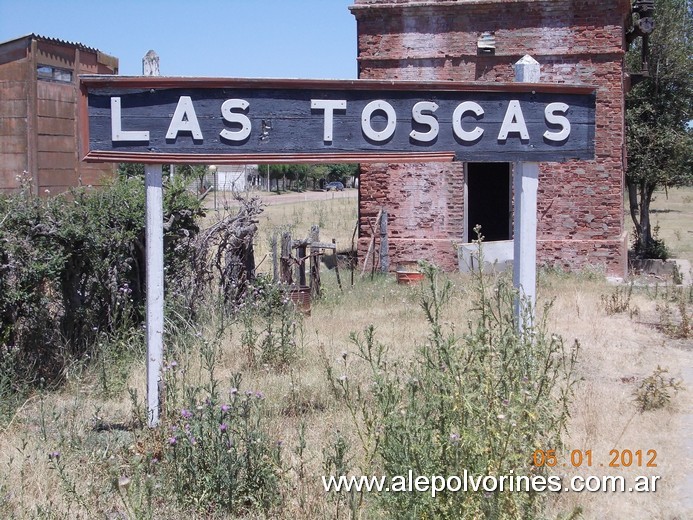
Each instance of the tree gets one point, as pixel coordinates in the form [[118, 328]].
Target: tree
[[659, 110], [342, 172]]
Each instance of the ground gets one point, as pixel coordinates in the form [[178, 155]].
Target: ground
[[625, 333]]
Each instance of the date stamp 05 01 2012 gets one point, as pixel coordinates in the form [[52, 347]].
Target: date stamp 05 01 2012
[[584, 458]]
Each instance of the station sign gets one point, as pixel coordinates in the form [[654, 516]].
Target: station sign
[[239, 121]]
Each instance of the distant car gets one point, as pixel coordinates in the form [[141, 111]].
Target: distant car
[[334, 186]]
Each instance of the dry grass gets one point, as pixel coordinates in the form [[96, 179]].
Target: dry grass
[[617, 352], [673, 213]]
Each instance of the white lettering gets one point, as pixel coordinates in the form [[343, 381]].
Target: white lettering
[[425, 119], [462, 109], [235, 117], [514, 122], [184, 120], [552, 118], [391, 125], [117, 133], [329, 106]]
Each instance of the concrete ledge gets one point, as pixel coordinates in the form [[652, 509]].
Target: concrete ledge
[[498, 256], [673, 268]]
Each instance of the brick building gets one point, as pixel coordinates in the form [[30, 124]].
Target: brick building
[[39, 88], [432, 207]]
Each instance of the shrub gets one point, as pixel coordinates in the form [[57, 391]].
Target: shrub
[[483, 401], [655, 390], [270, 323], [218, 456], [72, 268], [656, 248], [619, 301]]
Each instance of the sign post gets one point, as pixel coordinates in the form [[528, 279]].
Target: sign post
[[525, 184], [154, 233], [154, 230]]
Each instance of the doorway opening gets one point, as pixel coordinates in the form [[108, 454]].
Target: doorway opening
[[488, 201]]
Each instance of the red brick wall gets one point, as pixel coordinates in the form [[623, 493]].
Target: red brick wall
[[580, 207]]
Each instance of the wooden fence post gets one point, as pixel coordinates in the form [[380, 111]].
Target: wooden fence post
[[285, 259], [384, 252]]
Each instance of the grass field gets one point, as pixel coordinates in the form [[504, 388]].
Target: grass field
[[625, 334], [673, 213]]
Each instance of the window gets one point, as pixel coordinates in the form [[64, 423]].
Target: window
[[49, 73]]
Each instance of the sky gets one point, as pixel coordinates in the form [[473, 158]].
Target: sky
[[311, 39]]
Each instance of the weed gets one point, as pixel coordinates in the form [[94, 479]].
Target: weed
[[269, 324], [655, 390], [674, 313], [216, 454], [481, 400], [619, 301], [336, 464]]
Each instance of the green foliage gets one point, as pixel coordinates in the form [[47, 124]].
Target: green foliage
[[218, 456], [299, 176], [131, 170], [655, 390], [341, 172], [72, 269], [483, 401], [619, 301], [337, 463], [269, 324], [658, 110], [675, 314]]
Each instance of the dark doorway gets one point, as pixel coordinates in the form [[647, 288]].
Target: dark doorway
[[488, 201]]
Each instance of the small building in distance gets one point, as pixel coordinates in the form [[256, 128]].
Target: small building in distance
[[39, 89]]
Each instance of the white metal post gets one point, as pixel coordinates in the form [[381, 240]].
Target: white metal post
[[525, 184], [154, 231], [154, 227]]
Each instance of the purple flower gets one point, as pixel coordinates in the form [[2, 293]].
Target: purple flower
[[54, 455], [454, 438], [233, 391], [173, 364], [172, 441], [223, 427], [259, 395], [225, 408], [186, 414]]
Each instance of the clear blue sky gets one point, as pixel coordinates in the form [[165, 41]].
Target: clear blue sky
[[225, 38]]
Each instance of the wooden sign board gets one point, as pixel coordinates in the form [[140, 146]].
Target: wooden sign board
[[239, 121]]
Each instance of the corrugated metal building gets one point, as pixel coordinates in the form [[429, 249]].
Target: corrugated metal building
[[39, 89]]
